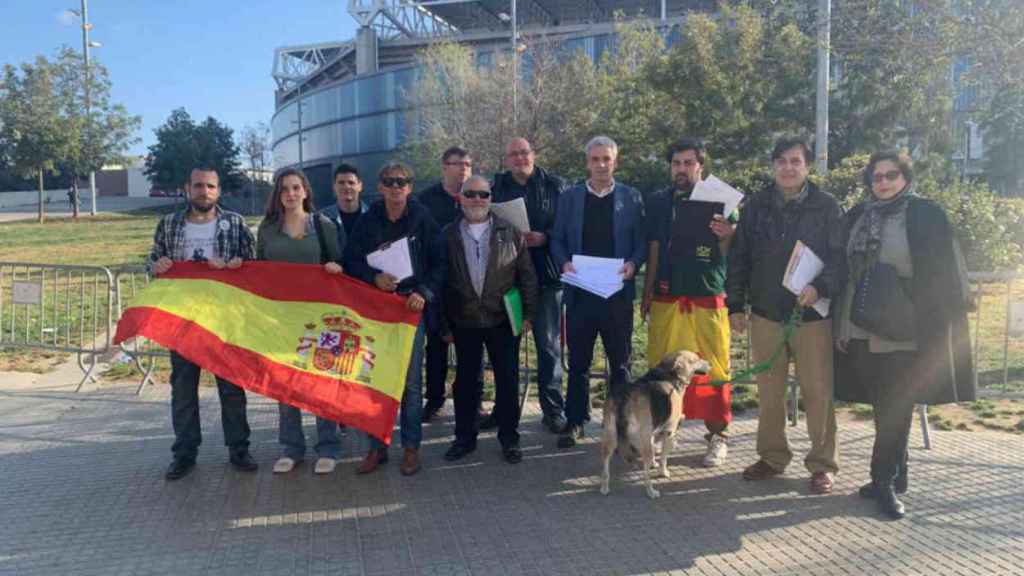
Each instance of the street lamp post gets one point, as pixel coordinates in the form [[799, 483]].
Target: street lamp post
[[824, 40], [86, 26], [515, 69]]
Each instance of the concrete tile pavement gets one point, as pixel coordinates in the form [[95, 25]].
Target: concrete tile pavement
[[82, 492]]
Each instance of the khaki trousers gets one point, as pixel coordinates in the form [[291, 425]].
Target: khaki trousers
[[811, 348]]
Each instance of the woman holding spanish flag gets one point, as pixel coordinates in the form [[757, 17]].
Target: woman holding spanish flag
[[292, 231]]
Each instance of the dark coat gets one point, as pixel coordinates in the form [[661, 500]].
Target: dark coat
[[942, 370], [442, 207], [426, 250], [541, 194], [764, 241], [628, 229], [508, 266]]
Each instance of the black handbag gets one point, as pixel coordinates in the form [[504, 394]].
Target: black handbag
[[881, 304]]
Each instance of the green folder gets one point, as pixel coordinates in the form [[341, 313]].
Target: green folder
[[514, 308]]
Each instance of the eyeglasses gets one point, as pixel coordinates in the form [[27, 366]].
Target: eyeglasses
[[464, 164], [891, 176], [396, 182], [482, 194]]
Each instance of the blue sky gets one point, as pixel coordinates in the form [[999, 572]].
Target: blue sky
[[212, 57]]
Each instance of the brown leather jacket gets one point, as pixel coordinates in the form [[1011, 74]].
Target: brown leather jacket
[[508, 266]]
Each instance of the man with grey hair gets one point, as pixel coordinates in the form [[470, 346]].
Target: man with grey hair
[[603, 218], [488, 258]]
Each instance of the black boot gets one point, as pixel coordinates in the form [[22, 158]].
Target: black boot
[[888, 503]]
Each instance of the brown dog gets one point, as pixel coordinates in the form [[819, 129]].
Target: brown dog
[[646, 414]]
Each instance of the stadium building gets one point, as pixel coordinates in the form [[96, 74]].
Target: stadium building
[[347, 101]]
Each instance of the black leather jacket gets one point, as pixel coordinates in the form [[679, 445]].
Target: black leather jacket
[[764, 241]]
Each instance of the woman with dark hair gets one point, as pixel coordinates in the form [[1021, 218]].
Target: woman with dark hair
[[901, 321], [292, 231]]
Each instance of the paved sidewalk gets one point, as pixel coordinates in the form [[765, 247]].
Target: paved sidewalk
[[82, 492]]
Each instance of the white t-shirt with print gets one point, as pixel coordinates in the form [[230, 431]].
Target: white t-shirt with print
[[200, 242]]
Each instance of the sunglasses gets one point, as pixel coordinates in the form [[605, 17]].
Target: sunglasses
[[891, 176], [396, 182], [482, 194]]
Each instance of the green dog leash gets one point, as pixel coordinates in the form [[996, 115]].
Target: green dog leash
[[788, 329]]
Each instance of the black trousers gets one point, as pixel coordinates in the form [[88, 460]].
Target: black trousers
[[469, 348], [886, 378], [437, 368], [588, 316], [185, 411]]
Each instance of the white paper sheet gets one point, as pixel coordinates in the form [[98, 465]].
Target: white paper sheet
[[600, 276], [393, 259], [803, 267], [515, 212], [713, 189]]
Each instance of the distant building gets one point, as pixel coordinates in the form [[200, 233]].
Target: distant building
[[347, 101]]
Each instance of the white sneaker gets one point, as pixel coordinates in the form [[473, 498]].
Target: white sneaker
[[284, 465], [324, 465], [718, 449]]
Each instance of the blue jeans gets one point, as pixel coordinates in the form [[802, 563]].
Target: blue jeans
[[293, 440], [185, 411], [411, 414]]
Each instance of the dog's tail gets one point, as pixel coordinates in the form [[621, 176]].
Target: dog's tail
[[620, 394]]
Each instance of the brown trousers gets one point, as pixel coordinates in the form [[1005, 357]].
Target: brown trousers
[[811, 348]]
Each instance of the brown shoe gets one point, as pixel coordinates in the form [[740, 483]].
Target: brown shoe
[[410, 462], [821, 483], [760, 470], [374, 458]]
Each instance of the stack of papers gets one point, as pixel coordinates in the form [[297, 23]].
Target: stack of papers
[[804, 266], [392, 259], [713, 189], [600, 276]]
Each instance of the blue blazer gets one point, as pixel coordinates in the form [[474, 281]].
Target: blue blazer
[[630, 236]]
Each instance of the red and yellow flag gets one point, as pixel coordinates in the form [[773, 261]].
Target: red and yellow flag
[[324, 343]]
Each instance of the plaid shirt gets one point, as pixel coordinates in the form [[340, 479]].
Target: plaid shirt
[[233, 237]]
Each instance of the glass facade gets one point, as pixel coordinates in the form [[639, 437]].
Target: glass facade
[[364, 120]]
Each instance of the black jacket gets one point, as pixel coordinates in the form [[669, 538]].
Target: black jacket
[[426, 250], [764, 241], [541, 194], [442, 207], [508, 266], [942, 370]]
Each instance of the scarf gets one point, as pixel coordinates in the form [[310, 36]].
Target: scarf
[[866, 236]]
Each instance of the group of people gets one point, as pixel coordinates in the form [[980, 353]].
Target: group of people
[[895, 334]]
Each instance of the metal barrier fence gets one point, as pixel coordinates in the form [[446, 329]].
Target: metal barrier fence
[[59, 308], [128, 281]]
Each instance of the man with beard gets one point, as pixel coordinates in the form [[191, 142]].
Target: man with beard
[[442, 201], [539, 190], [684, 289], [203, 232], [487, 257]]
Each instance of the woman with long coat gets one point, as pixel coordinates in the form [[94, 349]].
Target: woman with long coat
[[902, 259]]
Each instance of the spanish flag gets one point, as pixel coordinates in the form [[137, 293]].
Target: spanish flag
[[324, 343]]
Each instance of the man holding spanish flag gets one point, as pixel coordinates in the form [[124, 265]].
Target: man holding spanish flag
[[390, 219], [203, 232]]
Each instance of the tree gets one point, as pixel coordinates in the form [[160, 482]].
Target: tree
[[993, 46], [255, 144], [33, 135], [100, 136], [182, 145]]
